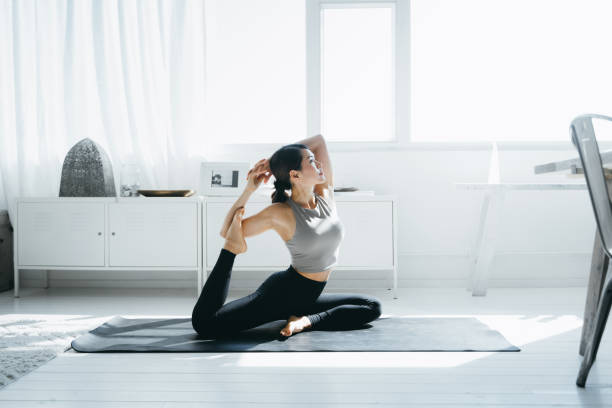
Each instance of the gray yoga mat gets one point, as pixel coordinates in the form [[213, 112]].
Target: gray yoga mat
[[384, 334]]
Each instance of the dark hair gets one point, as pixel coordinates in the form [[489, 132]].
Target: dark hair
[[285, 159]]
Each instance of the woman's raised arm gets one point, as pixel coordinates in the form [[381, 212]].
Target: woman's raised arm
[[318, 147], [254, 181]]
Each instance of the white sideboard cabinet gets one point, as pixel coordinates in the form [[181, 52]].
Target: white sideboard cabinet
[[145, 233], [370, 241], [83, 233]]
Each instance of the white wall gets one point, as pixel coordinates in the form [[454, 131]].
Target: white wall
[[545, 239]]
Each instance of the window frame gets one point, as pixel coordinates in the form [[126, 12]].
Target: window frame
[[401, 63], [402, 98]]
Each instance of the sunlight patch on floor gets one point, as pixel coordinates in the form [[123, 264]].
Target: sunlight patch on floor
[[518, 329]]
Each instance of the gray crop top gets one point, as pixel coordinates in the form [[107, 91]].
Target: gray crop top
[[318, 233]]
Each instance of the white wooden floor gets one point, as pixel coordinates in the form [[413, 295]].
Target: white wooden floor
[[545, 323]]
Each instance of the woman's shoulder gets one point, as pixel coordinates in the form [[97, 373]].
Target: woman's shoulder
[[280, 207], [327, 193], [284, 219], [282, 211]]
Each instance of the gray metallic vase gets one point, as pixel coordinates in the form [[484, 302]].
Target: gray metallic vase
[[87, 172]]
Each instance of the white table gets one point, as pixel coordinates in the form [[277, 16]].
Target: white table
[[483, 250], [569, 164]]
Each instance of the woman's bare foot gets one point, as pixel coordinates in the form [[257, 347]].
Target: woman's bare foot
[[295, 325], [234, 240]]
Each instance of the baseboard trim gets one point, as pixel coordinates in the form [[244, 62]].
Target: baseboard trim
[[416, 269]]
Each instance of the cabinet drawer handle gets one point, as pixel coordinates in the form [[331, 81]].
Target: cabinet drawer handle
[[99, 233], [112, 233]]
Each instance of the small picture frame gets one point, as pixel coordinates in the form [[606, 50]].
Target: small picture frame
[[223, 178]]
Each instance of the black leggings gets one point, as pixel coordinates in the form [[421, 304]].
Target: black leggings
[[282, 294]]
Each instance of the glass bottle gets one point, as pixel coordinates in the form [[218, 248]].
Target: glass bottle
[[130, 180]]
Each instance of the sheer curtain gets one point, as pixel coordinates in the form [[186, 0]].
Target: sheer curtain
[[129, 75]]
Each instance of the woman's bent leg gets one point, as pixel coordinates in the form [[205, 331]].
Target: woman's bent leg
[[342, 311], [266, 304], [240, 314], [215, 289]]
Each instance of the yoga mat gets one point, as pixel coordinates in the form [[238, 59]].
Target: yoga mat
[[384, 334]]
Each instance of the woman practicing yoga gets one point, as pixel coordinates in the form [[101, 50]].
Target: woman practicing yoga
[[308, 223]]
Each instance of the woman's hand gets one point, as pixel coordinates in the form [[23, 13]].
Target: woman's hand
[[262, 166], [260, 172]]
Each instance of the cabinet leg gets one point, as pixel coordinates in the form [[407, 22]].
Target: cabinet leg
[[395, 283], [16, 292], [199, 288]]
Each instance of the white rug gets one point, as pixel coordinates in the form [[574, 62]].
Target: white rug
[[28, 341]]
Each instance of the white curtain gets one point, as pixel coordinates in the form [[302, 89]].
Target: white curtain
[[129, 75]]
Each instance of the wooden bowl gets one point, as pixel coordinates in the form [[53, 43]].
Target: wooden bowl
[[166, 193]]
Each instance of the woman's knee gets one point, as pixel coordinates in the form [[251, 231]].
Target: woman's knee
[[206, 327], [235, 316], [203, 323], [198, 321], [376, 307]]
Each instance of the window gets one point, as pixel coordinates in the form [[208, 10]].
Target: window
[[357, 86], [508, 70], [394, 71], [352, 58], [255, 71]]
